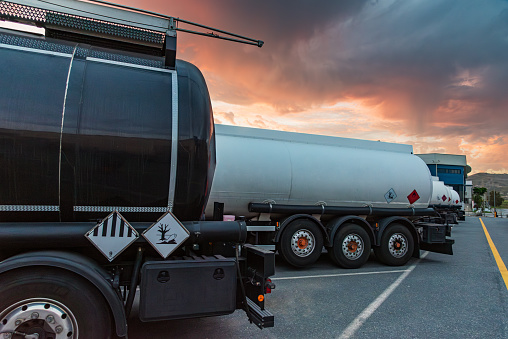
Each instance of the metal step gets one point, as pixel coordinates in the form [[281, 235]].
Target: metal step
[[262, 318]]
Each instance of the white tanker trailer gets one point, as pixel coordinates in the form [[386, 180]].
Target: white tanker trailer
[[446, 201], [299, 192]]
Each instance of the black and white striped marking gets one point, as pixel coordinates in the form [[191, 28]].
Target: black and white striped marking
[[112, 236]]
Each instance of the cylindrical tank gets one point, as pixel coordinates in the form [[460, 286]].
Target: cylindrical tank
[[455, 198], [449, 190], [87, 130], [259, 166], [440, 193], [443, 195]]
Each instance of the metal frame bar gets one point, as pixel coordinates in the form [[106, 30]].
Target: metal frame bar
[[127, 16]]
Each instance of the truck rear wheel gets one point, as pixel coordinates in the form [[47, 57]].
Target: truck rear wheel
[[351, 247], [301, 243], [396, 247], [53, 304]]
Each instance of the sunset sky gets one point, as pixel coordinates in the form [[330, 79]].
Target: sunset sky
[[433, 74]]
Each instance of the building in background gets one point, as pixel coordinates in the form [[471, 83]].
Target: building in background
[[452, 169]]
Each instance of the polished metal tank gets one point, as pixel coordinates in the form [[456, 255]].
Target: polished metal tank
[[87, 130], [255, 165]]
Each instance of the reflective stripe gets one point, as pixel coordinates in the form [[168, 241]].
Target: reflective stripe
[[29, 208], [119, 209], [62, 128], [174, 143], [105, 61], [34, 50]]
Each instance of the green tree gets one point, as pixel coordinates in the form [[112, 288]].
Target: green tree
[[478, 193], [499, 199]]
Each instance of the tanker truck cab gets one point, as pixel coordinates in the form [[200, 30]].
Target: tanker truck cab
[[107, 156], [299, 193]]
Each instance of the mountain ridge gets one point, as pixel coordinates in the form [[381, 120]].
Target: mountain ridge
[[497, 182]]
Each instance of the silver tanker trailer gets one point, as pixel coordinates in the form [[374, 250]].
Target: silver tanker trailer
[[300, 192], [107, 154]]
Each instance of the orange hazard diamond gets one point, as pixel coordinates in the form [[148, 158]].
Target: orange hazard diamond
[[413, 196]]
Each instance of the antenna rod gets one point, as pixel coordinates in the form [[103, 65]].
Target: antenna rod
[[240, 39]]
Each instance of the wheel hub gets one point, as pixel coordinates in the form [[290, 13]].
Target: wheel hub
[[38, 319], [302, 243], [352, 246], [397, 245]]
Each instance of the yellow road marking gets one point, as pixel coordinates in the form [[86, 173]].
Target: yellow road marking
[[499, 261]]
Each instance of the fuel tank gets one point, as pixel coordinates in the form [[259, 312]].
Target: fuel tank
[[255, 165], [87, 130], [455, 199], [443, 195]]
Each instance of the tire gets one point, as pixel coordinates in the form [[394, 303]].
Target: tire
[[53, 303], [351, 246], [301, 243], [396, 247]]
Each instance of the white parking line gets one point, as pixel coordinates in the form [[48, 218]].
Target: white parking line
[[337, 275], [367, 312]]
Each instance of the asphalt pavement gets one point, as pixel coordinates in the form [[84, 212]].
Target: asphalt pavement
[[437, 296]]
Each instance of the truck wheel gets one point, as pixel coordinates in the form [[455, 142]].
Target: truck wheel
[[301, 243], [396, 247], [53, 304], [351, 247]]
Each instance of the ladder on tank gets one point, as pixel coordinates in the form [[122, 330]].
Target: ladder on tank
[[110, 25]]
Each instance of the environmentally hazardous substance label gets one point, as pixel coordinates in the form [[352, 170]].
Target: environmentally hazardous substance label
[[166, 234], [112, 235], [413, 197], [390, 195]]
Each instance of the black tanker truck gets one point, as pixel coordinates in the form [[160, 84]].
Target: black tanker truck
[[107, 155]]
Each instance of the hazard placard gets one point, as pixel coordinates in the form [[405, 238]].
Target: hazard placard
[[390, 195], [112, 235], [443, 197], [166, 235], [413, 197]]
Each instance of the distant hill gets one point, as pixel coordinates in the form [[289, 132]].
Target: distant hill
[[498, 182]]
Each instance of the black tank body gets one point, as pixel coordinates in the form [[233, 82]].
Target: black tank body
[[86, 130]]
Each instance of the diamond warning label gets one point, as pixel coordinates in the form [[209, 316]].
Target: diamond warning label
[[112, 235], [413, 197], [166, 234], [390, 195]]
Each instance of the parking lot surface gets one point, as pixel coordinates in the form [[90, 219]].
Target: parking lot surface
[[436, 296]]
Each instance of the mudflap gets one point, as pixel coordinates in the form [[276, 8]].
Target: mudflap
[[444, 248]]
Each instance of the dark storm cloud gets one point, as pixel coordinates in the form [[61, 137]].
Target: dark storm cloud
[[430, 63], [429, 68], [433, 62]]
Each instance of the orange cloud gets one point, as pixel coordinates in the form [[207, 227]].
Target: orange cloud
[[431, 74]]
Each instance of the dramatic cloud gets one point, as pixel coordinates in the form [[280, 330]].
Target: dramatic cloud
[[428, 73]]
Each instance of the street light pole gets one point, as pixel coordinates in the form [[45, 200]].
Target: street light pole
[[495, 211]]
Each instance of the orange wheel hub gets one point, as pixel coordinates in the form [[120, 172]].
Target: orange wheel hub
[[352, 246], [303, 243]]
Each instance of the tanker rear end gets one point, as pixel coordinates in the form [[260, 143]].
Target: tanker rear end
[[107, 155], [85, 130]]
